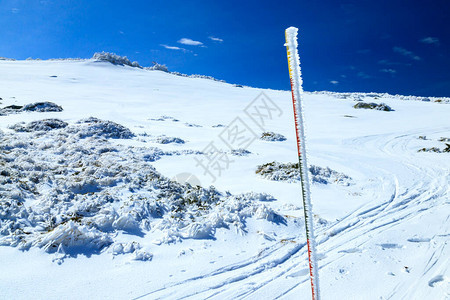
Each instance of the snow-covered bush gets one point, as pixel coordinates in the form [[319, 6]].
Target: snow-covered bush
[[327, 175], [432, 149], [32, 107], [41, 125], [11, 109], [240, 152], [169, 140], [290, 172], [124, 61], [360, 96], [115, 59], [73, 235], [197, 76], [365, 105], [42, 107], [158, 67], [192, 125], [80, 194], [94, 127], [164, 118], [447, 148], [124, 248], [142, 255], [272, 137], [436, 149]]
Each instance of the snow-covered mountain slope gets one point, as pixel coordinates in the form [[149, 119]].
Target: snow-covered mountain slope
[[93, 202]]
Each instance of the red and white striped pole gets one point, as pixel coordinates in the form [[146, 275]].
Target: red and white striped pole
[[297, 92]]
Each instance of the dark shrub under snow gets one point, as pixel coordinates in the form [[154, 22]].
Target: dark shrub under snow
[[290, 172], [272, 137], [32, 107], [42, 107], [41, 125], [381, 106], [94, 127]]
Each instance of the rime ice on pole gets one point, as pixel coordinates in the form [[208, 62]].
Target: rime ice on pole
[[297, 91]]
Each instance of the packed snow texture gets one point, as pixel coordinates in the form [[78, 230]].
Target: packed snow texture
[[290, 172]]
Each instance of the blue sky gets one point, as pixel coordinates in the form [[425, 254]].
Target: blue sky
[[371, 46]]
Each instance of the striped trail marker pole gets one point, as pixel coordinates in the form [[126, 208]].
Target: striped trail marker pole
[[297, 91]]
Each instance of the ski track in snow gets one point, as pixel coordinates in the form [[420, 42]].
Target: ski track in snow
[[404, 198]]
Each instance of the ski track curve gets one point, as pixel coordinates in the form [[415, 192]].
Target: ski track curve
[[409, 188]]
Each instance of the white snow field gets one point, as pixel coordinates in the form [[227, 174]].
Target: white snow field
[[90, 208]]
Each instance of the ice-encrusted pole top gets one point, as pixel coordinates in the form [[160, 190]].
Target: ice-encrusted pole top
[[293, 59]]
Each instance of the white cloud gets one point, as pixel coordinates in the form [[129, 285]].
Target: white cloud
[[186, 41], [216, 39], [172, 47], [406, 53], [390, 71], [334, 82], [430, 40]]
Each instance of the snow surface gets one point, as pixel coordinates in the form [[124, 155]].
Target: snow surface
[[88, 208]]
